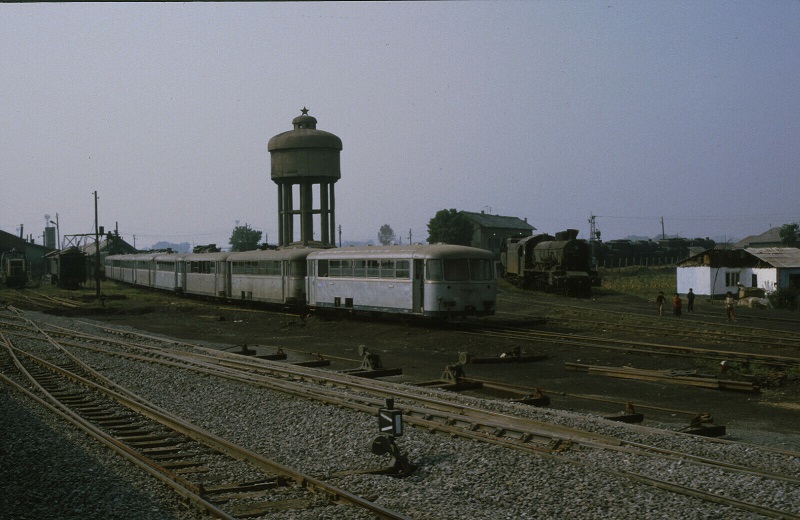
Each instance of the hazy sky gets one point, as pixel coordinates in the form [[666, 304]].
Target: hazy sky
[[554, 111]]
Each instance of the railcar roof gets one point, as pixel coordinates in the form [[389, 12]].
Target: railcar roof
[[415, 251], [170, 256], [200, 257], [135, 256], [272, 254]]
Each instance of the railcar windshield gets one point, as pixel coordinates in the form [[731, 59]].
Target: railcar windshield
[[481, 270], [459, 270]]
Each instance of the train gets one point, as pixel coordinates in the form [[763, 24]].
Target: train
[[665, 251], [429, 281], [561, 264], [14, 269]]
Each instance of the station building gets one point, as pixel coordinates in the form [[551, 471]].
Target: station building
[[490, 231]]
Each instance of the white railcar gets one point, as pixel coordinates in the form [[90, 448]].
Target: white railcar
[[206, 274], [273, 276], [134, 269], [423, 280], [170, 273]]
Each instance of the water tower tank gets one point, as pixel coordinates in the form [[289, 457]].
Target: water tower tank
[[302, 159]]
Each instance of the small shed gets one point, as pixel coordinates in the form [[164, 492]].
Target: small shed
[[714, 272], [491, 231]]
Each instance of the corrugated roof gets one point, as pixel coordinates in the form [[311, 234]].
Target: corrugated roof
[[771, 236], [785, 257], [497, 221]]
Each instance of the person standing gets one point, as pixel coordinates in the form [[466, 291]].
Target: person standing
[[690, 300], [660, 299], [729, 306], [676, 305]]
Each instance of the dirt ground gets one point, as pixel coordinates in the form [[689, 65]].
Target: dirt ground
[[423, 349]]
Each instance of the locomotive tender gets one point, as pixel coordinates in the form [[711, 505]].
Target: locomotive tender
[[424, 280], [542, 262]]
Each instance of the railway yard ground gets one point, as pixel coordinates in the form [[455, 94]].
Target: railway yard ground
[[609, 356]]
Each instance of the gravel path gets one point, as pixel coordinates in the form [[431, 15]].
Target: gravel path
[[42, 458]]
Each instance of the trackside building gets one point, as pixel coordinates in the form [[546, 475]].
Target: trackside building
[[717, 271]]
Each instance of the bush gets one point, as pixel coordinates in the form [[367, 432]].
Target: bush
[[785, 298]]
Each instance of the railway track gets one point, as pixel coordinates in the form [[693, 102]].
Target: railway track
[[435, 413], [585, 341], [38, 300], [196, 464]]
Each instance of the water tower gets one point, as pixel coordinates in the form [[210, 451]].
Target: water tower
[[305, 166]]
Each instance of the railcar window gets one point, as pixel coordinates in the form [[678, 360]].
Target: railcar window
[[350, 268], [403, 269], [373, 269], [433, 270], [456, 270], [165, 266], [322, 268], [204, 267], [481, 269], [142, 264], [341, 268], [360, 268], [262, 267], [387, 269]]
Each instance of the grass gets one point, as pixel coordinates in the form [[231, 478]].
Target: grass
[[644, 282]]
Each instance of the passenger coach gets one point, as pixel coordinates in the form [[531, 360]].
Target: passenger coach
[[276, 276], [425, 280], [272, 276]]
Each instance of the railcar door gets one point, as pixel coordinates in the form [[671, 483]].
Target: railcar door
[[311, 275], [419, 287]]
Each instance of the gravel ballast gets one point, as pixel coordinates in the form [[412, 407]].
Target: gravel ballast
[[42, 459]]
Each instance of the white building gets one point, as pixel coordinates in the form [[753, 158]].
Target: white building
[[717, 271]]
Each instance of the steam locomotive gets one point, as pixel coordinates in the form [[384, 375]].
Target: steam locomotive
[[560, 264]]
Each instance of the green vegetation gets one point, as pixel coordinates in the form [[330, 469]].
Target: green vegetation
[[244, 238], [386, 235], [788, 298], [450, 227], [790, 234], [644, 282]]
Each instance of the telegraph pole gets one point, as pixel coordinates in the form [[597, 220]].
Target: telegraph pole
[[409, 237], [96, 250]]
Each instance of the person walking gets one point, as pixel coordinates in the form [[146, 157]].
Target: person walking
[[729, 306], [690, 300], [676, 305], [660, 300]]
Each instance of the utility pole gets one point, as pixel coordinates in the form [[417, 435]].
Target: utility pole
[[662, 228], [340, 235], [96, 250], [409, 237]]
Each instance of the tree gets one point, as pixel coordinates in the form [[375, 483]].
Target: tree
[[244, 238], [790, 234], [386, 235], [450, 227]]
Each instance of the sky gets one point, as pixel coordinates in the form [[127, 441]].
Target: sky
[[552, 111]]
